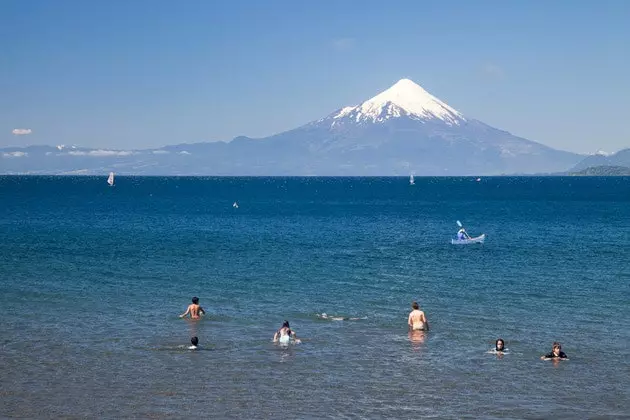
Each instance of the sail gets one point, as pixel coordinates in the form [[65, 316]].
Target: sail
[[411, 181], [110, 180]]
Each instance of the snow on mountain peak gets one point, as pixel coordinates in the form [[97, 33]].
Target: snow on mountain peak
[[404, 98]]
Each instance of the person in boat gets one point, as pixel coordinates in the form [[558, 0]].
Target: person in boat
[[462, 234], [285, 334], [556, 353], [417, 321], [194, 342], [194, 309]]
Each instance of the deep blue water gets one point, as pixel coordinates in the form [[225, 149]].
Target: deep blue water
[[92, 280]]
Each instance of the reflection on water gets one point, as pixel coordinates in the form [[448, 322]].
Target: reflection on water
[[417, 338], [193, 328]]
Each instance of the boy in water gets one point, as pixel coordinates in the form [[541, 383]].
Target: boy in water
[[417, 321], [194, 341], [556, 353], [193, 309]]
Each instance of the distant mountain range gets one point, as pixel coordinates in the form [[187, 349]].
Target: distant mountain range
[[602, 171], [403, 130], [621, 158]]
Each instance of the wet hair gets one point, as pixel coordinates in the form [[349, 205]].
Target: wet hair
[[496, 344], [415, 305], [285, 324], [195, 300], [557, 345], [194, 341]]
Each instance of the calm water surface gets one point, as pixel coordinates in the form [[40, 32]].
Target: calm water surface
[[92, 280]]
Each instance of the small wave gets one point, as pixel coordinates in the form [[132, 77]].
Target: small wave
[[494, 351]]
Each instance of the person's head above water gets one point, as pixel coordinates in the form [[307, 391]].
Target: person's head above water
[[195, 300], [499, 345], [194, 341], [415, 305], [285, 324]]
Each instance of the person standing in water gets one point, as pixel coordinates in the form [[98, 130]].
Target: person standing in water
[[417, 321], [284, 334], [194, 309]]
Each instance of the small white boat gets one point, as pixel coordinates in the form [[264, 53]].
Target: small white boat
[[477, 240], [110, 179], [411, 180], [235, 205]]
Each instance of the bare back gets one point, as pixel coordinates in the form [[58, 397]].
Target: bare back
[[417, 320], [195, 310]]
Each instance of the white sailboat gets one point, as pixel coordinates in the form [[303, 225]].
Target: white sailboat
[[411, 181], [110, 179], [235, 205]]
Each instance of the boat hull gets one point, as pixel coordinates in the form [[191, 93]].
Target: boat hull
[[477, 240]]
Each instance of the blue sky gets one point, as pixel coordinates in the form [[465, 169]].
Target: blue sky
[[122, 74]]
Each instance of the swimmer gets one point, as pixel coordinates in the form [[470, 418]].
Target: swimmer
[[194, 341], [499, 348], [499, 345], [285, 334], [556, 353], [336, 318], [417, 321], [194, 309]]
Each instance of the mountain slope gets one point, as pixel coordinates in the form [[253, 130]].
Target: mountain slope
[[405, 98], [401, 130], [603, 171], [405, 129], [621, 158]]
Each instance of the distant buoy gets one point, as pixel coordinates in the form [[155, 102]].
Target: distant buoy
[[478, 179]]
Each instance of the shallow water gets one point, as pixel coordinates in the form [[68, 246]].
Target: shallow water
[[92, 280]]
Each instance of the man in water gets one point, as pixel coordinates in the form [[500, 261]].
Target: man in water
[[417, 321], [193, 309], [556, 353], [194, 341]]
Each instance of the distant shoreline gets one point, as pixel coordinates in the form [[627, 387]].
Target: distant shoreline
[[583, 173]]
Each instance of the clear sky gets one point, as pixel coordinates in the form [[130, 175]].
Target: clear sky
[[146, 73]]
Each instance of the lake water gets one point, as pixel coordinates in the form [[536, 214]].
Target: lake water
[[93, 278]]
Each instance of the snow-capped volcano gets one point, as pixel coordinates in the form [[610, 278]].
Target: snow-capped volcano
[[402, 130], [404, 98]]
